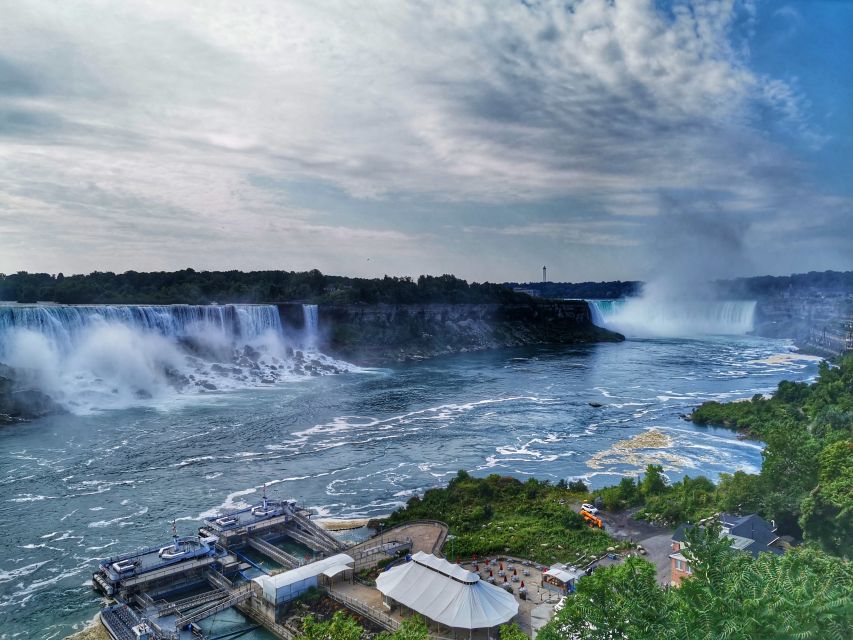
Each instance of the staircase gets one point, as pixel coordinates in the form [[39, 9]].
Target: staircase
[[238, 595], [271, 551], [303, 530], [168, 608]]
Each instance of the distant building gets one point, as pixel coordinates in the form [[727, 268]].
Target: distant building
[[561, 578], [750, 534], [531, 292]]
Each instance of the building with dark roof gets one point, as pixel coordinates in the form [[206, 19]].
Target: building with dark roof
[[748, 534]]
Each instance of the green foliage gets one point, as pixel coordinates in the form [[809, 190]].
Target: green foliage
[[502, 515], [827, 513], [339, 627], [654, 482], [511, 632], [344, 627], [806, 479], [201, 287], [803, 594], [689, 500], [577, 486], [412, 628], [620, 601]]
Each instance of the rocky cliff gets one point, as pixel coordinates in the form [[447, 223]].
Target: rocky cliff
[[381, 333], [19, 402], [818, 322]]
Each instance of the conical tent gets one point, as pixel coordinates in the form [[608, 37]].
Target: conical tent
[[447, 593]]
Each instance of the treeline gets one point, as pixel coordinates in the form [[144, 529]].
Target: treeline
[[802, 594], [806, 478], [826, 282], [254, 287], [581, 290]]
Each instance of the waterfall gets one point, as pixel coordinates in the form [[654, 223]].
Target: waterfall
[[110, 356], [661, 317], [601, 310], [310, 313], [64, 325]]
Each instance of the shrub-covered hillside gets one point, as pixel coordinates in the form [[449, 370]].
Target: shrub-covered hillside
[[502, 515]]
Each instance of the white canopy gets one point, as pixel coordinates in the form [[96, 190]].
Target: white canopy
[[447, 593], [331, 572], [290, 584]]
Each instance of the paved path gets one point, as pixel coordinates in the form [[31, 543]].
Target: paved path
[[425, 536], [656, 540]]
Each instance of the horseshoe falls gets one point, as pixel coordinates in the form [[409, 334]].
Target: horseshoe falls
[[672, 318]]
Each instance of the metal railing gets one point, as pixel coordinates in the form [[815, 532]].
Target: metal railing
[[383, 620], [279, 555], [190, 603], [324, 538], [218, 580], [308, 540], [235, 597]]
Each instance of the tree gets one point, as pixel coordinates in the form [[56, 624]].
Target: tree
[[803, 594], [621, 601], [512, 632], [739, 493], [827, 513], [340, 627], [654, 482], [412, 628]]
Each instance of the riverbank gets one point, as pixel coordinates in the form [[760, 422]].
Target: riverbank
[[95, 630]]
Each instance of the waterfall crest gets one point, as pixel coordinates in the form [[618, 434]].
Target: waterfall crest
[[111, 356], [674, 318], [310, 314]]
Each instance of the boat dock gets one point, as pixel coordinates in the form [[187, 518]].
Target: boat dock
[[163, 592]]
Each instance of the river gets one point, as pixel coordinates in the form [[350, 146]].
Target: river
[[80, 486]]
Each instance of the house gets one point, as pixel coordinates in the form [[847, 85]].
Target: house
[[749, 534]]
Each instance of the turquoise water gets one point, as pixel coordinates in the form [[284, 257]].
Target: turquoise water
[[76, 488]]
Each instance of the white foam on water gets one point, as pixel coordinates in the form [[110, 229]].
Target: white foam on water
[[91, 358], [20, 572], [121, 520], [230, 503]]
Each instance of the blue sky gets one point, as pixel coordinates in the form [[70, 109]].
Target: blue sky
[[606, 139]]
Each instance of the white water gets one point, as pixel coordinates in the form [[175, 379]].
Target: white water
[[96, 357], [660, 317], [310, 314]]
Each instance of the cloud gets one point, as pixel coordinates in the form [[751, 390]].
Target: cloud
[[153, 120]]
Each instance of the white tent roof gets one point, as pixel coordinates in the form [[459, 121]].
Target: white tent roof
[[447, 593], [304, 572], [333, 571]]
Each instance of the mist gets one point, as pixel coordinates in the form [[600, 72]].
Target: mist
[[689, 251]]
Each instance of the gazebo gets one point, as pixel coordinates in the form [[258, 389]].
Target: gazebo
[[446, 594]]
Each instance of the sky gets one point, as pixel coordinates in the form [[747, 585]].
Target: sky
[[606, 139]]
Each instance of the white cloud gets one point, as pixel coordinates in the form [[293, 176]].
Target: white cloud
[[154, 116]]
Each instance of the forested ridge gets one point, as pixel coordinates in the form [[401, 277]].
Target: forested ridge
[[253, 287]]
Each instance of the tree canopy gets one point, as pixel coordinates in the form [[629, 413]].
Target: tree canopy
[[802, 594], [202, 287]]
